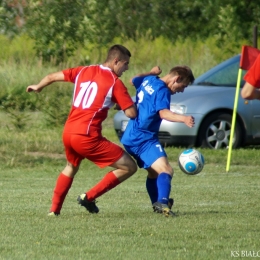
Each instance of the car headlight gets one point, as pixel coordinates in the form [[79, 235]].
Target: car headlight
[[179, 109]]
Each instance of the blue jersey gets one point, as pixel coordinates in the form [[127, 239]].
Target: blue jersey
[[152, 95]]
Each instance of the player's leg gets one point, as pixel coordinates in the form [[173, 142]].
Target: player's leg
[[125, 167], [162, 167], [105, 153], [63, 184], [155, 161], [159, 176], [152, 189], [65, 178], [151, 185]]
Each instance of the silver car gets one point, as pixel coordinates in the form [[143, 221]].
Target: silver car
[[210, 100]]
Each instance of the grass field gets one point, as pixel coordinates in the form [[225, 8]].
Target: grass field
[[217, 212]]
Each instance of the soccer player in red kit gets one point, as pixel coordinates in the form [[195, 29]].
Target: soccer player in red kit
[[251, 89], [96, 89]]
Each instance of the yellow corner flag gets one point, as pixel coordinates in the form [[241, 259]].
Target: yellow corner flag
[[248, 57], [233, 124]]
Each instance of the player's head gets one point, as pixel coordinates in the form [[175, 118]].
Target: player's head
[[118, 59], [179, 78]]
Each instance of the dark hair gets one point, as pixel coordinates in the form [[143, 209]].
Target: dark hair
[[185, 73], [117, 51]]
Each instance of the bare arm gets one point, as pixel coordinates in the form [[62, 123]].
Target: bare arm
[[154, 71], [168, 115], [250, 92], [47, 80], [131, 112]]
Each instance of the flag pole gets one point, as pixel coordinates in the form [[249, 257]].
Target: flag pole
[[234, 119]]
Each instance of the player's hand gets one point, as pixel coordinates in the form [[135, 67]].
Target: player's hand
[[156, 70], [190, 121], [34, 88]]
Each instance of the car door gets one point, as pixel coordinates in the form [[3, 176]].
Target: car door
[[255, 117]]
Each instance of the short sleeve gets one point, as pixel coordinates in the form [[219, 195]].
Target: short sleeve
[[137, 81], [121, 95], [253, 74], [163, 97], [71, 73]]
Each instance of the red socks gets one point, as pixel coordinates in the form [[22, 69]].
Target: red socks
[[109, 182], [64, 183], [61, 189]]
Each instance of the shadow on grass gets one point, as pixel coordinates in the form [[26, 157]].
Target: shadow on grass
[[197, 213]]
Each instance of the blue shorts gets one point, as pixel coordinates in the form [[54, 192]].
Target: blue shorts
[[147, 153]]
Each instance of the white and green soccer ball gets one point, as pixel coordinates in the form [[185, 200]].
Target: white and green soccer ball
[[191, 161]]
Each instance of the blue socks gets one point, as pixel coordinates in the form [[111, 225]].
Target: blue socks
[[164, 187], [151, 187], [159, 189]]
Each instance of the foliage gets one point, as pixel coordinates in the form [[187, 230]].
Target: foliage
[[234, 24], [20, 68], [13, 50], [15, 103], [11, 18], [55, 104], [19, 120], [59, 28], [17, 99]]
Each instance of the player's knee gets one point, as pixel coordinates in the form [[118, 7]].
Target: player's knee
[[126, 165], [169, 170], [130, 164], [70, 170], [132, 167]]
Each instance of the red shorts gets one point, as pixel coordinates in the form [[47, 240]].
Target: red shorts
[[96, 149]]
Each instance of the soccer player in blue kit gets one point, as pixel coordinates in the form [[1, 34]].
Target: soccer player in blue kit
[[140, 139]]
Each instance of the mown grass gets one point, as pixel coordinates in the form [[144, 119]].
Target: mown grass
[[217, 212]]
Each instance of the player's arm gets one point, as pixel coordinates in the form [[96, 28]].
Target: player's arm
[[250, 92], [154, 71], [168, 115], [47, 80], [131, 111], [123, 100]]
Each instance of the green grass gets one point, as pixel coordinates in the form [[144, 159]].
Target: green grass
[[217, 212]]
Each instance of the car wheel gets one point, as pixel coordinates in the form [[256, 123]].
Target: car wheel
[[215, 132]]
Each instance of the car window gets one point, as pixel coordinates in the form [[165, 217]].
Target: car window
[[226, 76]]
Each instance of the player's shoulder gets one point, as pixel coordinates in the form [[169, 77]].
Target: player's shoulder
[[91, 67], [148, 80], [156, 82], [83, 69], [101, 70]]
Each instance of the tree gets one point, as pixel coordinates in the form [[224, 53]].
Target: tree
[[11, 17], [236, 20], [58, 27]]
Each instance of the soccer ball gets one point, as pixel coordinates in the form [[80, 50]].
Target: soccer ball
[[191, 161]]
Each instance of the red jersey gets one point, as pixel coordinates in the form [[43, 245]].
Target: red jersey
[[96, 90], [253, 74]]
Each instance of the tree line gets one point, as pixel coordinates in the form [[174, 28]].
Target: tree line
[[60, 27]]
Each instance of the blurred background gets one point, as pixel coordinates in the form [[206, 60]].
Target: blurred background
[[39, 37]]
